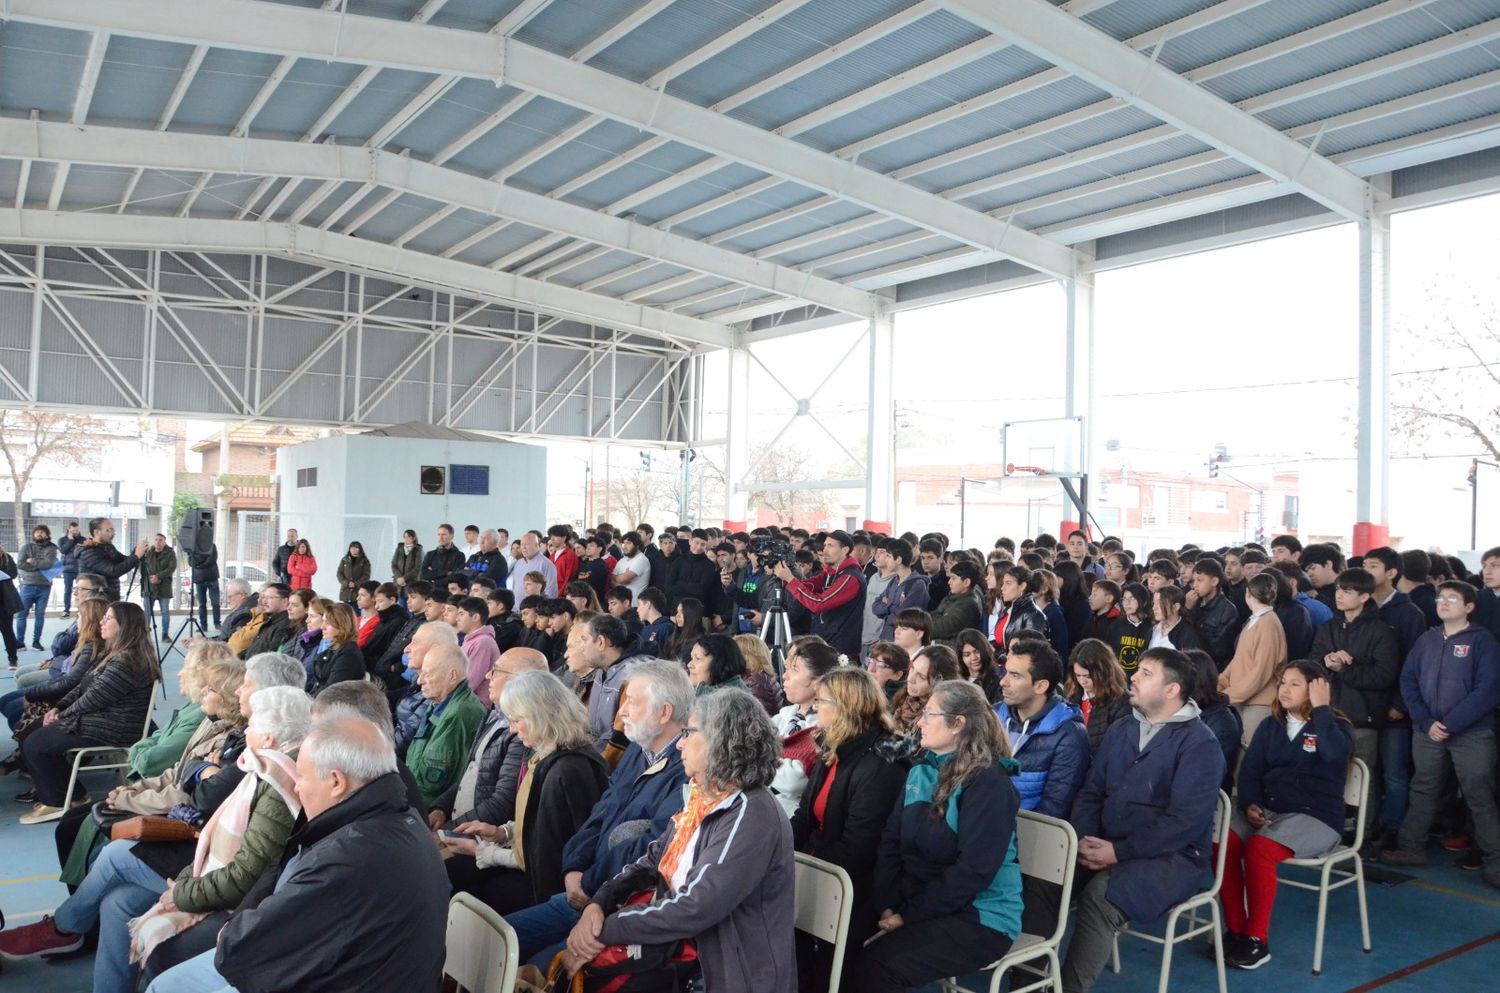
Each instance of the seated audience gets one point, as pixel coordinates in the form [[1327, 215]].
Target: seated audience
[[723, 873], [438, 749], [889, 663], [518, 864], [644, 793], [390, 618], [977, 654], [107, 707], [1290, 804], [1099, 689], [1047, 739], [1212, 611], [760, 673], [947, 879], [357, 817], [1172, 628], [478, 643], [1144, 816], [606, 652], [136, 899], [342, 658], [486, 791], [715, 663], [1130, 633], [161, 749], [389, 669], [861, 769], [930, 666], [409, 707], [809, 658]]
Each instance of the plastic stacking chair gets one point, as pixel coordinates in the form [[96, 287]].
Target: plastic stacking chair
[[1191, 908], [1341, 866], [1048, 850], [483, 953], [825, 896], [97, 757]]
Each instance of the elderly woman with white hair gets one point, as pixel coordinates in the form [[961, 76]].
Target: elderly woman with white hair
[[130, 892], [723, 873], [518, 865]]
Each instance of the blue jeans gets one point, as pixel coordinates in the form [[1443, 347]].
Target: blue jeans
[[118, 888], [196, 975], [68, 578], [1395, 760], [166, 613], [37, 597], [541, 927], [207, 592]]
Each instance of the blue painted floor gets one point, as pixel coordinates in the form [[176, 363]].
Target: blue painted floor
[[1436, 928]]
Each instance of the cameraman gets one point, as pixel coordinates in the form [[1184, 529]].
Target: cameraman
[[835, 597]]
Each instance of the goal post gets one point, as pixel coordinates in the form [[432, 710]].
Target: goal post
[[261, 532]]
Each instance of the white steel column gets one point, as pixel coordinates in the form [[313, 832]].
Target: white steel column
[[1078, 387], [737, 433], [880, 451], [1372, 465]]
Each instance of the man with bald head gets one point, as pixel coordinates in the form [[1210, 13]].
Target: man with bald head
[[436, 755], [408, 704], [486, 791], [361, 845]]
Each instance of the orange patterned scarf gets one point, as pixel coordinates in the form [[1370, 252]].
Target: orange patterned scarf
[[684, 826]]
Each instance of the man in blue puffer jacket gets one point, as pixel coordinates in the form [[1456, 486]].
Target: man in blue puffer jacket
[[1145, 814], [1047, 738], [644, 793]]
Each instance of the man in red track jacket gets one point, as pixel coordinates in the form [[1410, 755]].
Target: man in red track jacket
[[564, 559], [835, 597]]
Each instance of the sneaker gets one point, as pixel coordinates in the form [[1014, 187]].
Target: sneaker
[[1253, 954], [37, 940], [38, 646], [42, 814], [1233, 945], [1458, 843], [1471, 860], [29, 796], [1402, 857]]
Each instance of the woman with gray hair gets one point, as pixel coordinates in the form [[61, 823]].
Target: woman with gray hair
[[518, 865], [723, 874]]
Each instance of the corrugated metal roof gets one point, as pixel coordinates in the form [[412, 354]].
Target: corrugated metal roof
[[1057, 149]]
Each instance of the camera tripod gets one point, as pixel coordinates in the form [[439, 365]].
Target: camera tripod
[[776, 630]]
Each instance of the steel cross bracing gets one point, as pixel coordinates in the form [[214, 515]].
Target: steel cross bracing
[[258, 337]]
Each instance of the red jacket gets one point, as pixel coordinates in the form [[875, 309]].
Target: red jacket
[[301, 568], [566, 563], [836, 600]]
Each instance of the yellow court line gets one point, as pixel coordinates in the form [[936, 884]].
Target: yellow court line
[[28, 879], [1458, 893]]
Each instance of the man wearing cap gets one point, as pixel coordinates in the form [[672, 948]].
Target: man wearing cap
[[835, 597]]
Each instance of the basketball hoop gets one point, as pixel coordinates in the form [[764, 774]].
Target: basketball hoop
[[1011, 469]]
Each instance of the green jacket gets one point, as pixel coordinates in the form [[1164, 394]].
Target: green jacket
[[163, 565], [265, 838], [440, 750], [155, 754]]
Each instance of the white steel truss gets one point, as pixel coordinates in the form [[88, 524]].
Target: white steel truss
[[250, 337]]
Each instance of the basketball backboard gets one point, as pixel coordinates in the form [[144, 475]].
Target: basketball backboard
[[1051, 446]]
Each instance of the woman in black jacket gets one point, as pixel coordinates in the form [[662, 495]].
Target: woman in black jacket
[[1099, 688], [1172, 628], [1216, 712], [342, 659], [518, 865], [107, 708], [978, 658], [849, 797], [391, 616]]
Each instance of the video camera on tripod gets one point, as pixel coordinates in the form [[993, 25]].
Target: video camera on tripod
[[770, 551]]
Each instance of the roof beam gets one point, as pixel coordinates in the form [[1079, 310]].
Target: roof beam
[[505, 61], [129, 147], [36, 227], [1092, 55]]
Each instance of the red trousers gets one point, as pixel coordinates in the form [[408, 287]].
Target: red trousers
[[1249, 890]]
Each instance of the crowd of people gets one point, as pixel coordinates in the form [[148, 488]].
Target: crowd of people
[[589, 734]]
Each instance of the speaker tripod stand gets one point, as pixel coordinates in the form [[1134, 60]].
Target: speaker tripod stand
[[187, 625]]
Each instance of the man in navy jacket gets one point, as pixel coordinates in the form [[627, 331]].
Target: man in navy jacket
[[1451, 685], [644, 793], [1145, 814]]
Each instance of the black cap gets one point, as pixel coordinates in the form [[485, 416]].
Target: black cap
[[842, 537]]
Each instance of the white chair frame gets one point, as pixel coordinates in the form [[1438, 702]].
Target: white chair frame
[[83, 757], [824, 900], [1356, 795], [1208, 899], [1048, 850], [483, 953]]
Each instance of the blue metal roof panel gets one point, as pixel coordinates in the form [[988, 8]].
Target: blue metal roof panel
[[1128, 18], [136, 79], [388, 92], [876, 233], [1257, 26], [565, 26], [1134, 193], [671, 34], [302, 97], [1454, 111], [40, 67], [1403, 82]]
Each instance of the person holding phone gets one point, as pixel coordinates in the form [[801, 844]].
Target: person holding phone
[[1291, 804]]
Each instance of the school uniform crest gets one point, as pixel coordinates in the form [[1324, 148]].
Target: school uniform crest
[[1460, 651]]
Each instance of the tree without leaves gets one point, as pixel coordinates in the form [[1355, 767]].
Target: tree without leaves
[[30, 437], [785, 464], [640, 496], [1460, 399]]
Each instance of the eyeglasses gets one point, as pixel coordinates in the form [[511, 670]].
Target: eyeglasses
[[822, 701], [497, 671], [1450, 599], [878, 664], [932, 715], [689, 731]]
